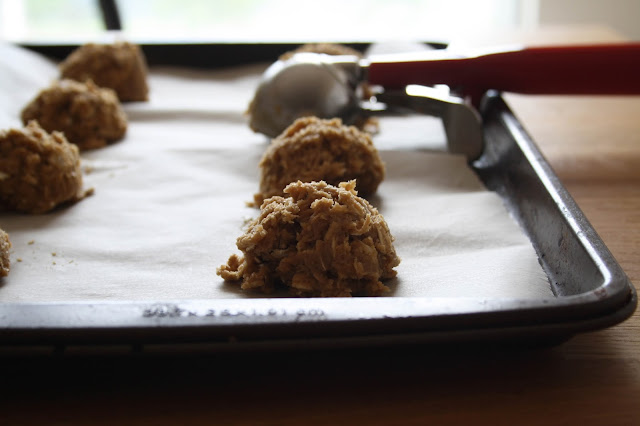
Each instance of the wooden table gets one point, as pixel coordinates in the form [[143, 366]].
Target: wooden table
[[594, 379]]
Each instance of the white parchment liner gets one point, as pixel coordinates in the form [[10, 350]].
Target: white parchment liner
[[170, 199]]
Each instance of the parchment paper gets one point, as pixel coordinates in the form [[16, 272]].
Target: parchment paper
[[170, 201]]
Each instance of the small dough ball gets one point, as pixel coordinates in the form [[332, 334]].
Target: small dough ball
[[88, 115], [333, 49], [322, 240], [119, 66], [5, 246], [38, 171], [314, 149]]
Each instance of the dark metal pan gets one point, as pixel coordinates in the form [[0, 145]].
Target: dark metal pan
[[591, 290]]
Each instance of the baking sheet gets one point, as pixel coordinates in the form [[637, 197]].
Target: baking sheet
[[170, 200]]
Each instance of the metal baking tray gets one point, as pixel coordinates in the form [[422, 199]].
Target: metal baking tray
[[591, 290]]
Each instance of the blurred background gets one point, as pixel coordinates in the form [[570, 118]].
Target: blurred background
[[69, 21]]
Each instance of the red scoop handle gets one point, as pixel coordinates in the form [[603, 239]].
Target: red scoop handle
[[603, 69]]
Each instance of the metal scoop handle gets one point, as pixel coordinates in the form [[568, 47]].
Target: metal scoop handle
[[603, 69]]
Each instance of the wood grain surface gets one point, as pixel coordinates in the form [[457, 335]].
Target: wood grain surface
[[592, 143]]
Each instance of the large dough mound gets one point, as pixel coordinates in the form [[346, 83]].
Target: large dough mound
[[322, 240], [119, 66], [313, 149], [5, 245], [89, 116], [38, 171]]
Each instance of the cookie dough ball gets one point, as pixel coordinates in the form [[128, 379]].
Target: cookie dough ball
[[333, 49], [5, 246], [38, 170], [88, 115], [322, 240], [314, 149], [120, 66]]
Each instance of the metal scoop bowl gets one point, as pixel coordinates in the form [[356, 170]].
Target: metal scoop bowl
[[328, 86], [305, 84]]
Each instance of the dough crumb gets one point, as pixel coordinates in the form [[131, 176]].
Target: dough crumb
[[119, 66], [40, 170], [314, 149], [89, 116], [321, 240], [5, 247]]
